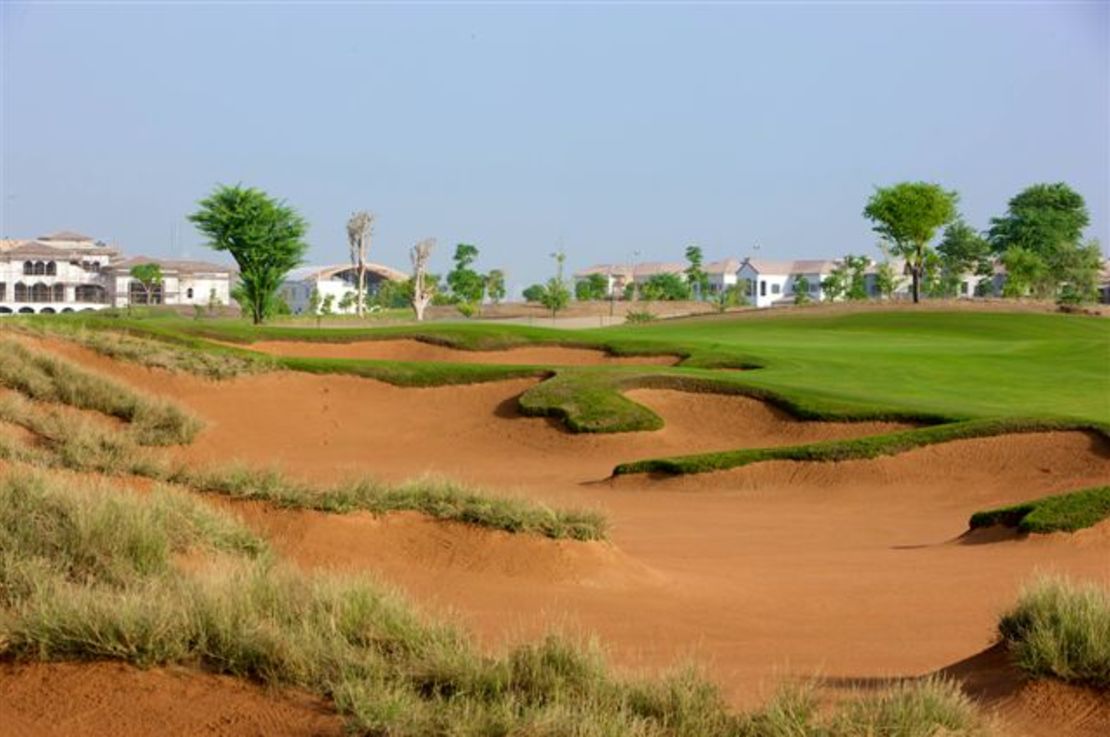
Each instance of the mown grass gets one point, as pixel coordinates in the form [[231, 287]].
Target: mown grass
[[80, 445], [871, 446], [50, 379], [1058, 513], [95, 574], [1061, 629]]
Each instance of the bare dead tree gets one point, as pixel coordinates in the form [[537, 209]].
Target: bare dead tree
[[360, 228], [422, 292]]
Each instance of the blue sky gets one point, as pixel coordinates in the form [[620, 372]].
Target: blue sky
[[600, 129]]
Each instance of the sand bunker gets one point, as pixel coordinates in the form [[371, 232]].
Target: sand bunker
[[416, 350], [772, 570], [110, 699]]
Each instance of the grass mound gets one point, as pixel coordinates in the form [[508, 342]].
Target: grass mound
[[1059, 513], [87, 572], [49, 379], [1061, 630]]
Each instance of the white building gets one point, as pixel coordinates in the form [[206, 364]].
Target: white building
[[335, 282], [722, 274], [771, 282], [70, 272]]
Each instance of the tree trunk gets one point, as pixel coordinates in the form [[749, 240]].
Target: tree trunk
[[360, 300], [916, 271]]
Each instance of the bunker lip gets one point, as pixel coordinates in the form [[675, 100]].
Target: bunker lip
[[62, 699]]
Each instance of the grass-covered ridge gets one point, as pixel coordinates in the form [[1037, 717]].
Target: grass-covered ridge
[[872, 446], [93, 573], [47, 378], [80, 445], [1060, 629], [1058, 513]]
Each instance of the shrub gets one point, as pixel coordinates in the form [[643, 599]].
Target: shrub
[[1061, 629], [638, 317], [1059, 513]]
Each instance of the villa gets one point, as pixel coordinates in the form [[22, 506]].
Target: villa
[[71, 272]]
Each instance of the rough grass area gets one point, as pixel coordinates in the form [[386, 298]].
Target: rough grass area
[[93, 573], [930, 707], [79, 445], [162, 354], [50, 379], [1059, 513], [857, 448], [1061, 629]]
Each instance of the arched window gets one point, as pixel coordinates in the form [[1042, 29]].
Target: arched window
[[20, 292], [40, 293], [28, 268], [40, 268], [51, 268], [59, 293]]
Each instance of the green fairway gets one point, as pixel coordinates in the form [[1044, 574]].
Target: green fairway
[[1020, 370]]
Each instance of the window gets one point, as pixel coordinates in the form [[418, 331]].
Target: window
[[139, 296], [20, 292], [28, 268], [776, 288], [762, 288], [189, 293], [814, 285], [40, 292], [59, 293], [90, 293], [40, 268], [51, 268], [3, 291]]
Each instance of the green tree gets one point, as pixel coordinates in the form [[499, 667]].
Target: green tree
[[534, 293], [556, 295], [1039, 219], [886, 279], [696, 278], [495, 285], [1027, 274], [908, 215], [347, 301], [264, 236], [665, 287], [314, 304], [593, 287], [962, 249], [327, 307], [801, 291], [1078, 271], [149, 277], [855, 268], [835, 285], [466, 284], [732, 296]]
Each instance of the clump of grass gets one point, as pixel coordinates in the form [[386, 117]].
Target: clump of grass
[[1059, 513], [50, 379], [928, 707], [1061, 629]]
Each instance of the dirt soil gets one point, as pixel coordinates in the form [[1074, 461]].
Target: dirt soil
[[854, 569], [417, 350], [113, 699]]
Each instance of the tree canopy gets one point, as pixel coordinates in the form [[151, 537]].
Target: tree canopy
[[495, 285], [665, 287], [148, 276], [696, 278], [1040, 219], [466, 284], [593, 287], [264, 236], [908, 215]]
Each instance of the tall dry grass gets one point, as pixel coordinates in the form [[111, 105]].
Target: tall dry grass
[[47, 378], [1061, 629]]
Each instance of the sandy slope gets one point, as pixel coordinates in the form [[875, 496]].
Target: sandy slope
[[113, 700], [850, 569]]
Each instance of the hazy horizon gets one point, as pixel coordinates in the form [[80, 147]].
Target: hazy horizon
[[602, 130]]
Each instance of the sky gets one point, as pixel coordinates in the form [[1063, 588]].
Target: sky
[[602, 129]]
